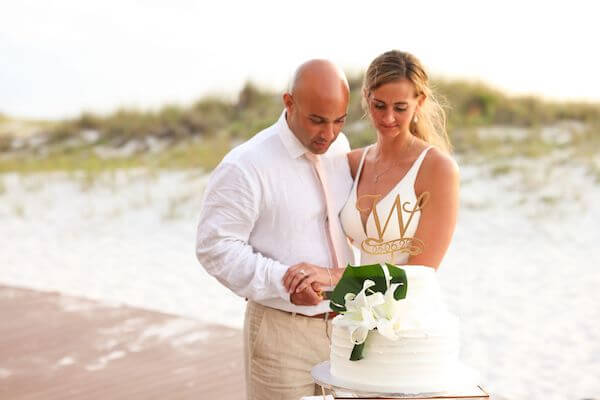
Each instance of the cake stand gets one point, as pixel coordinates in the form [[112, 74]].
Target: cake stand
[[341, 389]]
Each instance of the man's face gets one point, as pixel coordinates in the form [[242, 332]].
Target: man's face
[[316, 120]]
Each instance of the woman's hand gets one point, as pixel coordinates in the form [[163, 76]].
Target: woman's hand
[[307, 297], [300, 276]]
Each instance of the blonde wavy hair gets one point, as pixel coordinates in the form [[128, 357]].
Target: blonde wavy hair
[[395, 65]]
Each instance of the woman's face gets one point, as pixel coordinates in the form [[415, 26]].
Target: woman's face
[[392, 107]]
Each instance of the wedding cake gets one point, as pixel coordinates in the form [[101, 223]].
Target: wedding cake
[[408, 344]]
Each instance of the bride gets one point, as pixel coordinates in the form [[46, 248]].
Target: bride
[[404, 202]]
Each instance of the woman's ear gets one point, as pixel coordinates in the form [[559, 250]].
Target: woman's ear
[[421, 99], [366, 94]]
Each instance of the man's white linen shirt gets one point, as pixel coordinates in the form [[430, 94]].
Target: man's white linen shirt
[[264, 211]]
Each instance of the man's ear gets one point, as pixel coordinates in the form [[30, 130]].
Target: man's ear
[[288, 102]]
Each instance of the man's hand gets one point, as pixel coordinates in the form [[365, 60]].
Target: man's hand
[[307, 297], [301, 276]]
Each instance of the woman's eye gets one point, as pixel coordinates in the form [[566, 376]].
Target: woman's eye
[[379, 106], [398, 109]]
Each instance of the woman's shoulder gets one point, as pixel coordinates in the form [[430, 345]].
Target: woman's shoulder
[[438, 168], [354, 157], [441, 161]]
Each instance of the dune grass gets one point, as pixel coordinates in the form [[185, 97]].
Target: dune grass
[[202, 154], [199, 135]]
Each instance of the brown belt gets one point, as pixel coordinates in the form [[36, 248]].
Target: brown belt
[[329, 315]]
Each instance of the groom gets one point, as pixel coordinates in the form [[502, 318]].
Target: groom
[[265, 211]]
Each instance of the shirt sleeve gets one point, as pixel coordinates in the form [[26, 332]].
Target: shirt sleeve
[[230, 209]]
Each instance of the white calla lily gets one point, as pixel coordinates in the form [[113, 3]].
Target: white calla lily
[[388, 308], [369, 309], [359, 316], [388, 314], [386, 328], [365, 312]]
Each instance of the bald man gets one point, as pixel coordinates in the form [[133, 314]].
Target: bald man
[[265, 212]]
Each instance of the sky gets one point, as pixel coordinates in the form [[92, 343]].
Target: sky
[[60, 58]]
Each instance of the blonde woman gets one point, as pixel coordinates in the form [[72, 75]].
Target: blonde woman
[[404, 201]]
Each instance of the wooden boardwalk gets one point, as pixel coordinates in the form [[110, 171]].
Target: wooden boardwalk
[[54, 346]]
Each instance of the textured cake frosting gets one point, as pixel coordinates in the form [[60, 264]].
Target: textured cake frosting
[[424, 354]]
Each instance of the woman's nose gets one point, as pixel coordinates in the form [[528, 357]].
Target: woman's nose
[[388, 117]]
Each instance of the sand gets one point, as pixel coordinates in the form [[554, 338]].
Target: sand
[[522, 271]]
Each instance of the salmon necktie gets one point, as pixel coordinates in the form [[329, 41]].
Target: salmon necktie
[[335, 235]]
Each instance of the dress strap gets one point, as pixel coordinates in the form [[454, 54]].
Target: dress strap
[[360, 165], [411, 175], [362, 159]]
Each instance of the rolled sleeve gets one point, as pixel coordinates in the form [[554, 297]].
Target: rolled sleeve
[[230, 210]]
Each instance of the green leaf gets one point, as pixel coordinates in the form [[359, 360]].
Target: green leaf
[[354, 276], [357, 351]]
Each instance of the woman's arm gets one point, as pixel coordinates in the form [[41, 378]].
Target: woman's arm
[[440, 177]]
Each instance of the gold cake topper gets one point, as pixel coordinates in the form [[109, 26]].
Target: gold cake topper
[[410, 245]]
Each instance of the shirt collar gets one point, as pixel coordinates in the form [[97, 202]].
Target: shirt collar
[[294, 147]]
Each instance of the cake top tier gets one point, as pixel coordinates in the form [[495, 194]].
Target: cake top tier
[[422, 283], [422, 311]]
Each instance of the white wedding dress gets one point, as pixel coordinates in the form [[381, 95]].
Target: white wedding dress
[[397, 206]]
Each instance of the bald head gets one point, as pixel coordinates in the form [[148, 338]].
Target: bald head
[[317, 103], [316, 77]]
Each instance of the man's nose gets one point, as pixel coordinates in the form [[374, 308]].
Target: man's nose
[[328, 131]]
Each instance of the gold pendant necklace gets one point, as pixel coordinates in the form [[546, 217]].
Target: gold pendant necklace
[[377, 176]]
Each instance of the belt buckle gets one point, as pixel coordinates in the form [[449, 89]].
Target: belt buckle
[[330, 315]]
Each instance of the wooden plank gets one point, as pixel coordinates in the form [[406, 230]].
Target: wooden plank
[[54, 346]]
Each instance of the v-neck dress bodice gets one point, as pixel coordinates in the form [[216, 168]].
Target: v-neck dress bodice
[[386, 235]]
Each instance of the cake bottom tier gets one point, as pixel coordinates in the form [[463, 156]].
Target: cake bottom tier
[[414, 359]]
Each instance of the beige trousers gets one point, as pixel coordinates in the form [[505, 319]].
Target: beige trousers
[[280, 349]]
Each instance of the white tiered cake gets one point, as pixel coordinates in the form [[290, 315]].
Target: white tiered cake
[[423, 357]]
